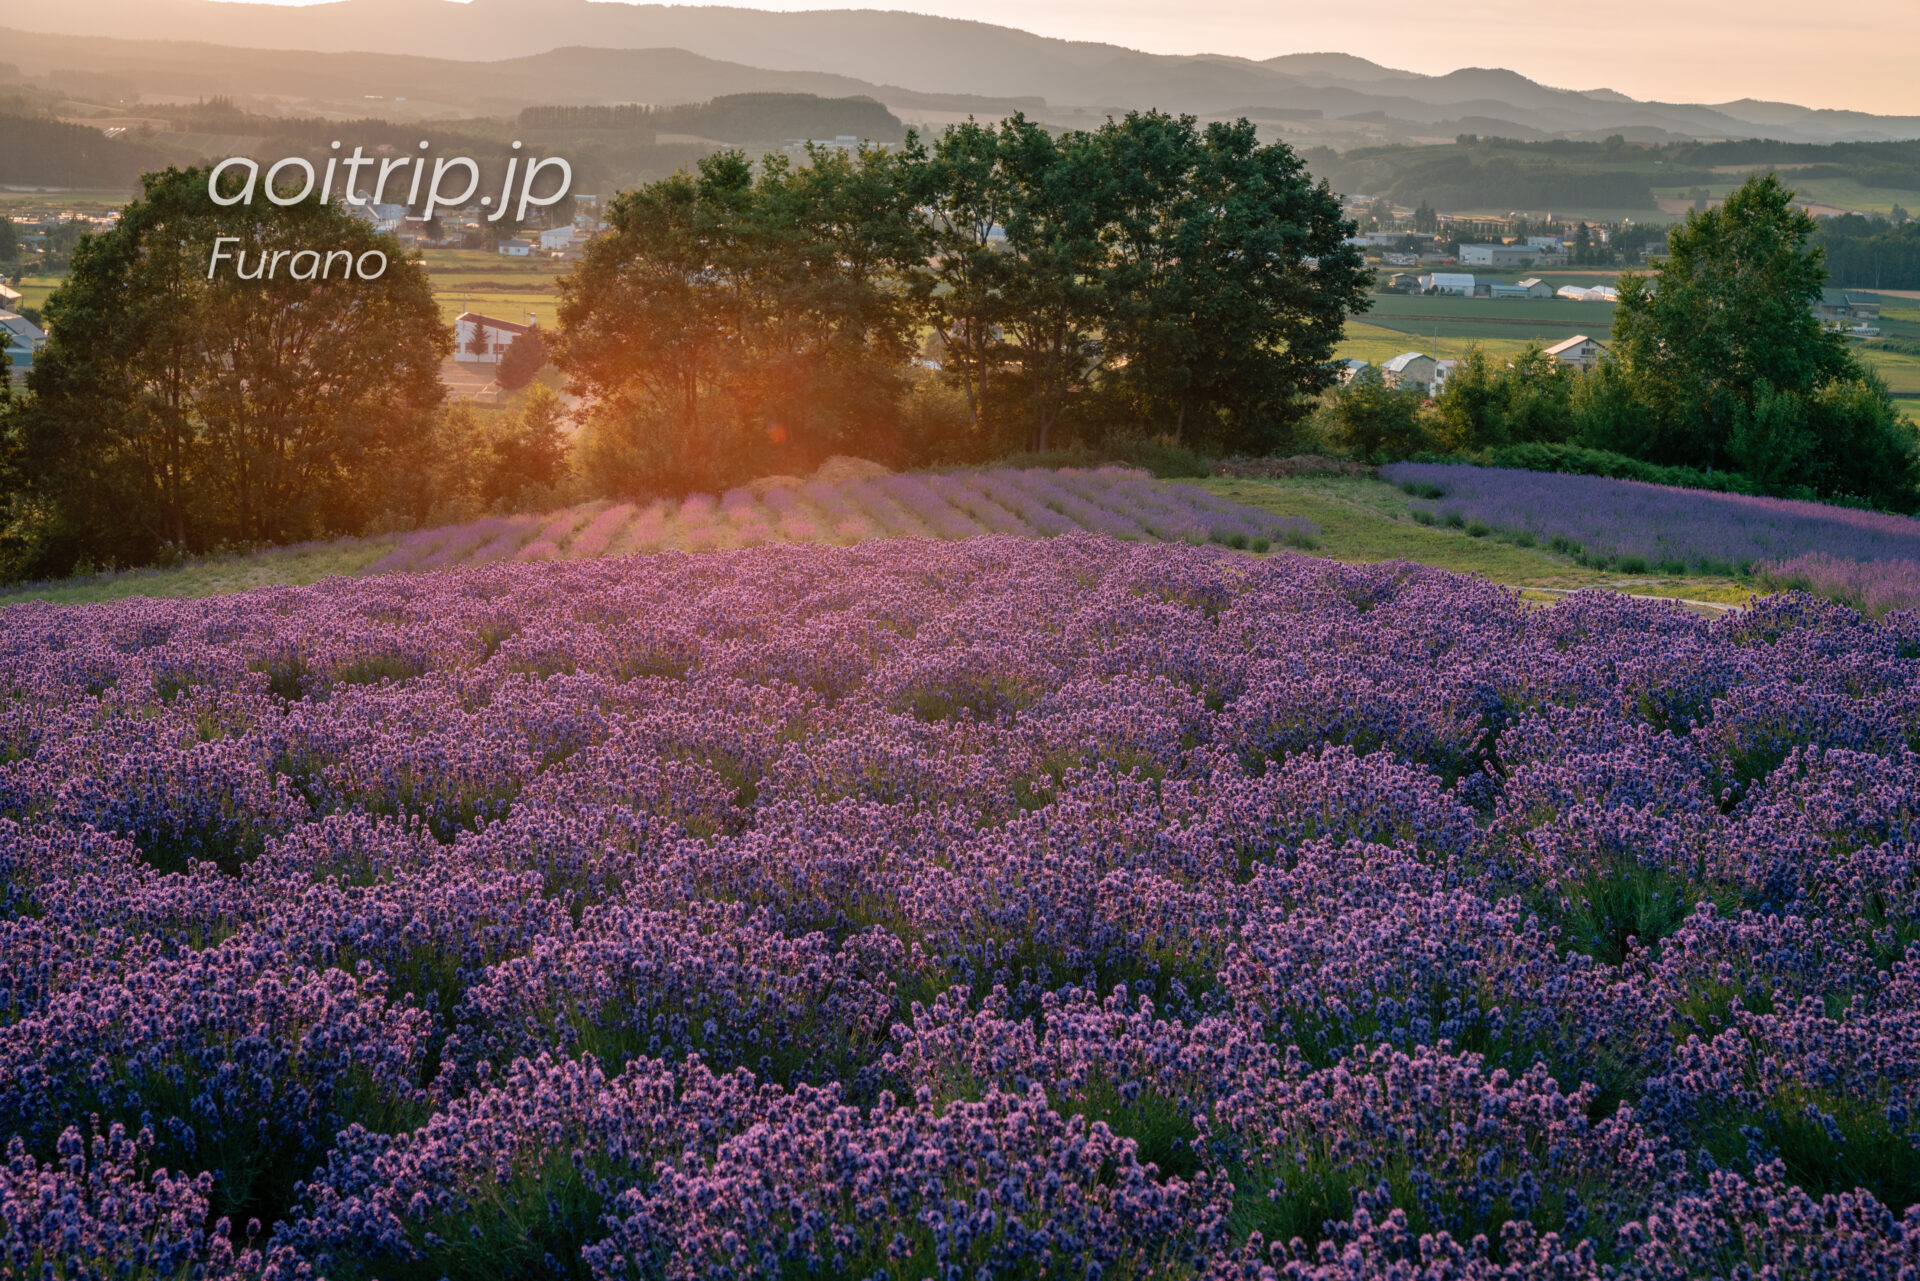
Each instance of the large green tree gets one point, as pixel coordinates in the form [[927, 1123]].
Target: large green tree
[[1227, 283], [653, 320], [1722, 343], [964, 196], [1487, 403], [175, 407], [735, 309], [1051, 275], [1148, 277], [832, 327]]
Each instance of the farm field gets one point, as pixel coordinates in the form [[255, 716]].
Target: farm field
[[509, 288], [1901, 372], [1550, 319], [1365, 521], [215, 575], [34, 290], [486, 282], [1831, 193], [1875, 587], [1030, 503], [1374, 343], [1898, 319], [923, 908]]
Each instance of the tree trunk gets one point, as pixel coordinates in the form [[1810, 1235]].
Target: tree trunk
[[966, 376]]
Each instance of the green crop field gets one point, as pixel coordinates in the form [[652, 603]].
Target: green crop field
[[463, 279], [1566, 212], [1375, 343], [1900, 322], [34, 290], [1840, 193], [1522, 319], [1902, 373], [483, 281]]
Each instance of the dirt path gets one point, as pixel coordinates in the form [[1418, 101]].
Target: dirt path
[[1709, 608]]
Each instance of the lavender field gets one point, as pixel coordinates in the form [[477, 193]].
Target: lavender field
[[1874, 586], [1638, 527], [1033, 503], [1077, 908]]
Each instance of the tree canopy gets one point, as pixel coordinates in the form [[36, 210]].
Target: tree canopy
[[171, 408], [1149, 277], [1722, 344]]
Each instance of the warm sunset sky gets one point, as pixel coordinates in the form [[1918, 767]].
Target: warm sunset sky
[[1860, 54]]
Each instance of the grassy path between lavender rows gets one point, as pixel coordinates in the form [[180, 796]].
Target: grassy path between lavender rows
[[1360, 521]]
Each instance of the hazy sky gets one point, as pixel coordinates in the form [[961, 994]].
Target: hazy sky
[[1859, 54]]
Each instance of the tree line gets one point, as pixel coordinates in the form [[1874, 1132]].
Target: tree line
[[1872, 253], [36, 151], [1717, 364], [736, 117], [1150, 276], [995, 288]]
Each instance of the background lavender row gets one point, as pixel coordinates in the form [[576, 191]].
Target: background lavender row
[[1658, 524]]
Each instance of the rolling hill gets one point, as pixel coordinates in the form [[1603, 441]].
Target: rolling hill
[[576, 51]]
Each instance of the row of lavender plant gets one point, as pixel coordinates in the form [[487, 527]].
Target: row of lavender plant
[[937, 505], [1655, 526], [1069, 907]]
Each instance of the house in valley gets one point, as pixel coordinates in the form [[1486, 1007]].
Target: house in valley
[[1448, 282], [1500, 255], [1411, 370], [21, 339], [1351, 372], [483, 340], [1847, 305], [1579, 351]]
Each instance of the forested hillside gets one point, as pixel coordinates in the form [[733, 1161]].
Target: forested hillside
[[39, 152]]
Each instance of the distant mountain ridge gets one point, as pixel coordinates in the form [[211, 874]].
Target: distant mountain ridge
[[904, 59]]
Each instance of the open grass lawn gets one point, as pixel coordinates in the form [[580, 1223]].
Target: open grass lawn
[[216, 576]]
